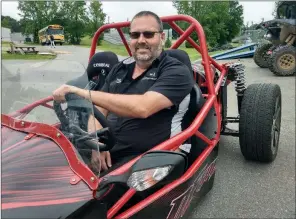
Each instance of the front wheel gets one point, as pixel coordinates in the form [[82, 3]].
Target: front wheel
[[261, 55], [260, 122]]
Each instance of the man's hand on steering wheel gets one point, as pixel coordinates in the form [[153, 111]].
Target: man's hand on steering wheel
[[59, 94]]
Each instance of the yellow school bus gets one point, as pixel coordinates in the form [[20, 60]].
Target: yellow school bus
[[56, 30]]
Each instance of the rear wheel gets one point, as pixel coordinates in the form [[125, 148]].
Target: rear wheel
[[260, 122], [261, 56], [283, 61]]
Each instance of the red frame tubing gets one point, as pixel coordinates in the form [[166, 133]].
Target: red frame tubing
[[124, 41], [30, 107], [47, 105], [120, 203], [101, 30]]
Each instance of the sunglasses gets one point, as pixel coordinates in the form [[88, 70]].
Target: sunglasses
[[146, 34]]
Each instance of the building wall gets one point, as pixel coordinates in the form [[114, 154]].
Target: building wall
[[5, 34]]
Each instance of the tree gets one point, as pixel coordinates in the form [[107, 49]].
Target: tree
[[236, 21], [276, 5], [35, 15], [5, 22], [11, 23], [75, 20], [76, 17], [168, 43], [96, 18], [221, 20]]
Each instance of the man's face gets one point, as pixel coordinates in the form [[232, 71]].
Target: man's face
[[146, 48]]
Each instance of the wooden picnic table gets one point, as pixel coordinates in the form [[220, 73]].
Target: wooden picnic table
[[29, 48], [22, 49]]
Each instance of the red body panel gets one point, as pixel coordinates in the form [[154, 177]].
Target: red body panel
[[44, 176]]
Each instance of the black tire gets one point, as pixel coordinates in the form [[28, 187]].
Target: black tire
[[276, 65], [272, 49], [260, 56], [260, 122]]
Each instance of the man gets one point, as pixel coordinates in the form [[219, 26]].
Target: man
[[145, 96], [51, 41]]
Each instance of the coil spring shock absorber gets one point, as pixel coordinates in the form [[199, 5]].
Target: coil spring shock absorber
[[237, 73], [240, 84]]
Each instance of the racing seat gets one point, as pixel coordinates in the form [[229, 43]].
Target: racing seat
[[209, 125], [97, 70]]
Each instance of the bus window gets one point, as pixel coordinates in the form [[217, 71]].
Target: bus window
[[55, 31]]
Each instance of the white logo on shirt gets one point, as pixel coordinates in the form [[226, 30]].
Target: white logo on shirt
[[118, 80], [147, 78], [152, 74]]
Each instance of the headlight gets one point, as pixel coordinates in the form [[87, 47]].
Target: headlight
[[144, 179]]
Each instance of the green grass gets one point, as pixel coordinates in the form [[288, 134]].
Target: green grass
[[5, 43], [7, 56]]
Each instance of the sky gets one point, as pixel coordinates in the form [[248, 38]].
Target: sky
[[123, 10]]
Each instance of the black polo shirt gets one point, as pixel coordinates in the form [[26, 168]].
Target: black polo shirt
[[167, 76]]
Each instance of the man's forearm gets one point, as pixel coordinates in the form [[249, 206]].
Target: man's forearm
[[122, 105]]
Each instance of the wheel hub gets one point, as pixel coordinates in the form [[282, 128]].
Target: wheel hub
[[287, 61]]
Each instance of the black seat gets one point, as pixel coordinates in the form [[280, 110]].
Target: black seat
[[181, 55], [97, 70], [209, 126]]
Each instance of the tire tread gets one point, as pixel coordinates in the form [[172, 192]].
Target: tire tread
[[256, 119]]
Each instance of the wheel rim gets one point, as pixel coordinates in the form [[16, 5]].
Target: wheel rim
[[286, 61], [276, 124]]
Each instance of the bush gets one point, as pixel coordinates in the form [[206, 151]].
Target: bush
[[188, 45], [168, 43]]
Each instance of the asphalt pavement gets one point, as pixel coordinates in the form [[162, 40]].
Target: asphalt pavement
[[242, 189]]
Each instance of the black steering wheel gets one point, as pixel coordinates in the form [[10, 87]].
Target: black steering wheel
[[78, 105]]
